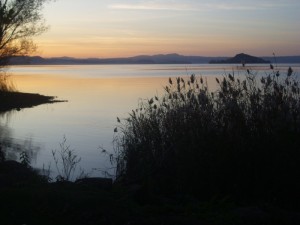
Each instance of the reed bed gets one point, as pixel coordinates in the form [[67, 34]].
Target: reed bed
[[240, 141]]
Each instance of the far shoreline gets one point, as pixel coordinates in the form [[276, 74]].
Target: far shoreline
[[172, 58]]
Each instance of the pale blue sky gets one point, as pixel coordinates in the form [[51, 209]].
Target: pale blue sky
[[103, 28]]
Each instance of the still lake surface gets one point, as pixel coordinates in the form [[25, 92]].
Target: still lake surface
[[97, 95]]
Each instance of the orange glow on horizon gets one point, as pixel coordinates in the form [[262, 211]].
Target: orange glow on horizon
[[128, 47], [102, 29]]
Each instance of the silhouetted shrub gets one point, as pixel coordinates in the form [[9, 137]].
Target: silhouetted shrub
[[66, 161], [240, 141], [6, 83]]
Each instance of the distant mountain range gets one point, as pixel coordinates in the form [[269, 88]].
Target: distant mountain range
[[142, 59]]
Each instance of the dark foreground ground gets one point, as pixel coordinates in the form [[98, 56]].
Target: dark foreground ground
[[18, 100], [27, 198]]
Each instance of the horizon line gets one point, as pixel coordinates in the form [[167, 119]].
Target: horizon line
[[151, 55]]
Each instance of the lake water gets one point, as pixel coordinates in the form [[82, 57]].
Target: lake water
[[97, 95]]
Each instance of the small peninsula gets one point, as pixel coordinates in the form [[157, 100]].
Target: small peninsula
[[13, 100], [241, 58]]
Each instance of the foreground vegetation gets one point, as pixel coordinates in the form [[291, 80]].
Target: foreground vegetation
[[240, 142]]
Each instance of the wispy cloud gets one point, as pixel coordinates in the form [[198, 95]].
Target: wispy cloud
[[201, 5], [249, 5], [152, 6]]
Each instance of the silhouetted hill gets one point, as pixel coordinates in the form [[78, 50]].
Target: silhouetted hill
[[150, 59], [241, 58]]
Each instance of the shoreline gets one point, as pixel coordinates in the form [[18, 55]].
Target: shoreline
[[19, 100]]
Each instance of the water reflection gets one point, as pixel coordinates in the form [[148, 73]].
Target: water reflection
[[12, 147]]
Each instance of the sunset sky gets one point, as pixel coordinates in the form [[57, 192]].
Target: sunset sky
[[115, 28]]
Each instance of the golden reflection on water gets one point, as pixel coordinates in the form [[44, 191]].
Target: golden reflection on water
[[95, 93], [91, 91]]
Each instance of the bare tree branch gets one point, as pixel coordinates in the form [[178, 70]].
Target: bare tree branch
[[20, 21]]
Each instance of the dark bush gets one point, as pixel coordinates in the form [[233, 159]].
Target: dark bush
[[6, 84], [241, 141]]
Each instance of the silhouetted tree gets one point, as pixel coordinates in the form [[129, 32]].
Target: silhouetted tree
[[20, 20]]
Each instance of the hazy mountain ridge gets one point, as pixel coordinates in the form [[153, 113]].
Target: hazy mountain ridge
[[141, 59]]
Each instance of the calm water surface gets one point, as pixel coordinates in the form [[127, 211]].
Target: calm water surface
[[97, 95]]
